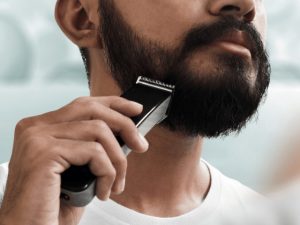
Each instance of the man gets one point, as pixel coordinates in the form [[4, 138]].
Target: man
[[213, 52]]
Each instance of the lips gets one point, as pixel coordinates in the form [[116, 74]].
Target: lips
[[238, 38]]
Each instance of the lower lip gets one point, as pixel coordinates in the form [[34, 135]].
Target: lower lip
[[234, 48]]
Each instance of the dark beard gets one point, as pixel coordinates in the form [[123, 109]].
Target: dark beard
[[205, 103]]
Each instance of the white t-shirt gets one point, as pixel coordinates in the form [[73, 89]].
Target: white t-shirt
[[3, 178], [226, 199]]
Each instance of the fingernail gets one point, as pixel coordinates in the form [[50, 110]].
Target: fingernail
[[144, 143], [121, 186], [107, 196]]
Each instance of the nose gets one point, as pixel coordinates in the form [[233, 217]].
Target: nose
[[240, 9]]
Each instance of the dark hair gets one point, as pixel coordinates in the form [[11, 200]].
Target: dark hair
[[86, 61]]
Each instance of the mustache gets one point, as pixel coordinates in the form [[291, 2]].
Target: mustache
[[204, 35]]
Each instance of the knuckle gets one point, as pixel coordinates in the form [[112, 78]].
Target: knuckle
[[116, 98], [121, 163], [113, 98], [121, 101], [112, 174], [80, 100], [99, 125], [98, 148], [92, 106], [87, 103], [23, 125], [129, 124]]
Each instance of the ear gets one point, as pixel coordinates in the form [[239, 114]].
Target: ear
[[75, 19]]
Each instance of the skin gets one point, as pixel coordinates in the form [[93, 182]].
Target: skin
[[43, 149]]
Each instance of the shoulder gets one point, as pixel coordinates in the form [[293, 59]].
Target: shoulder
[[3, 178], [236, 202], [240, 190], [232, 191]]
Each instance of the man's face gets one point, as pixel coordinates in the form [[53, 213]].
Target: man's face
[[211, 50]]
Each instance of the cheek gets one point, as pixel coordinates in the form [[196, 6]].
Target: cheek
[[165, 21]]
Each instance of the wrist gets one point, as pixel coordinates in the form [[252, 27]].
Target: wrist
[[5, 220], [11, 218]]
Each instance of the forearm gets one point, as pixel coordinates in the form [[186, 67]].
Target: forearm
[[6, 219], [15, 210], [3, 219]]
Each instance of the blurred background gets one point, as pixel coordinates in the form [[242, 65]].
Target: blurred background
[[41, 71]]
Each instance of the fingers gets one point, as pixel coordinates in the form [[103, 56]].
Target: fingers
[[100, 132], [115, 111], [89, 108], [84, 133], [80, 153], [128, 108]]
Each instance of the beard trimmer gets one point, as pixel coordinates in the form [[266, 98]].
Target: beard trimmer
[[78, 183]]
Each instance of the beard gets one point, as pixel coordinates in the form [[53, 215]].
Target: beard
[[209, 102]]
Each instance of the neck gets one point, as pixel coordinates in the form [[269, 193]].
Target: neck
[[169, 179]]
